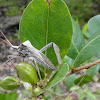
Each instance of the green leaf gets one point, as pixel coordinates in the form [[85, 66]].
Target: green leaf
[[68, 60], [11, 96], [58, 76], [2, 96], [42, 24], [89, 50], [94, 24], [93, 70], [87, 35], [85, 28], [65, 59], [85, 32], [77, 42], [85, 79], [70, 81]]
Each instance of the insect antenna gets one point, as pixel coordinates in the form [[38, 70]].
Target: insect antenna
[[3, 40], [7, 41]]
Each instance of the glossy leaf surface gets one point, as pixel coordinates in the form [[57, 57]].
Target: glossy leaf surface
[[89, 50], [42, 23], [77, 42], [58, 76], [94, 24]]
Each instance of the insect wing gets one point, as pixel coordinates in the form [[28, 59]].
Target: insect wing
[[39, 56]]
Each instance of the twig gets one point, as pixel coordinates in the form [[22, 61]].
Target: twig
[[83, 67]]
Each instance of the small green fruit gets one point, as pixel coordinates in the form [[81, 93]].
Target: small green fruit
[[9, 83], [27, 73], [37, 90]]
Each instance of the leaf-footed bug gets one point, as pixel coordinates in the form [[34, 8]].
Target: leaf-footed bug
[[26, 49]]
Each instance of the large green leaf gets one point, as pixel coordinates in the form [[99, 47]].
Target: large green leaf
[[94, 24], [58, 76], [89, 50], [42, 24], [78, 41]]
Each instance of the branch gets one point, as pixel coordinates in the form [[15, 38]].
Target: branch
[[83, 67]]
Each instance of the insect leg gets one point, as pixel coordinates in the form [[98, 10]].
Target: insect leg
[[56, 49], [37, 67], [13, 56], [38, 70], [10, 58]]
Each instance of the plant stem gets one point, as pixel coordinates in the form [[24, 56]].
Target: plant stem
[[83, 67]]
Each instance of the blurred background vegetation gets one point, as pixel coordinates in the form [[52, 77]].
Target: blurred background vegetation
[[83, 10]]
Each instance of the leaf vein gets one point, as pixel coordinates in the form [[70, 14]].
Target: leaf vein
[[75, 47], [85, 47]]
